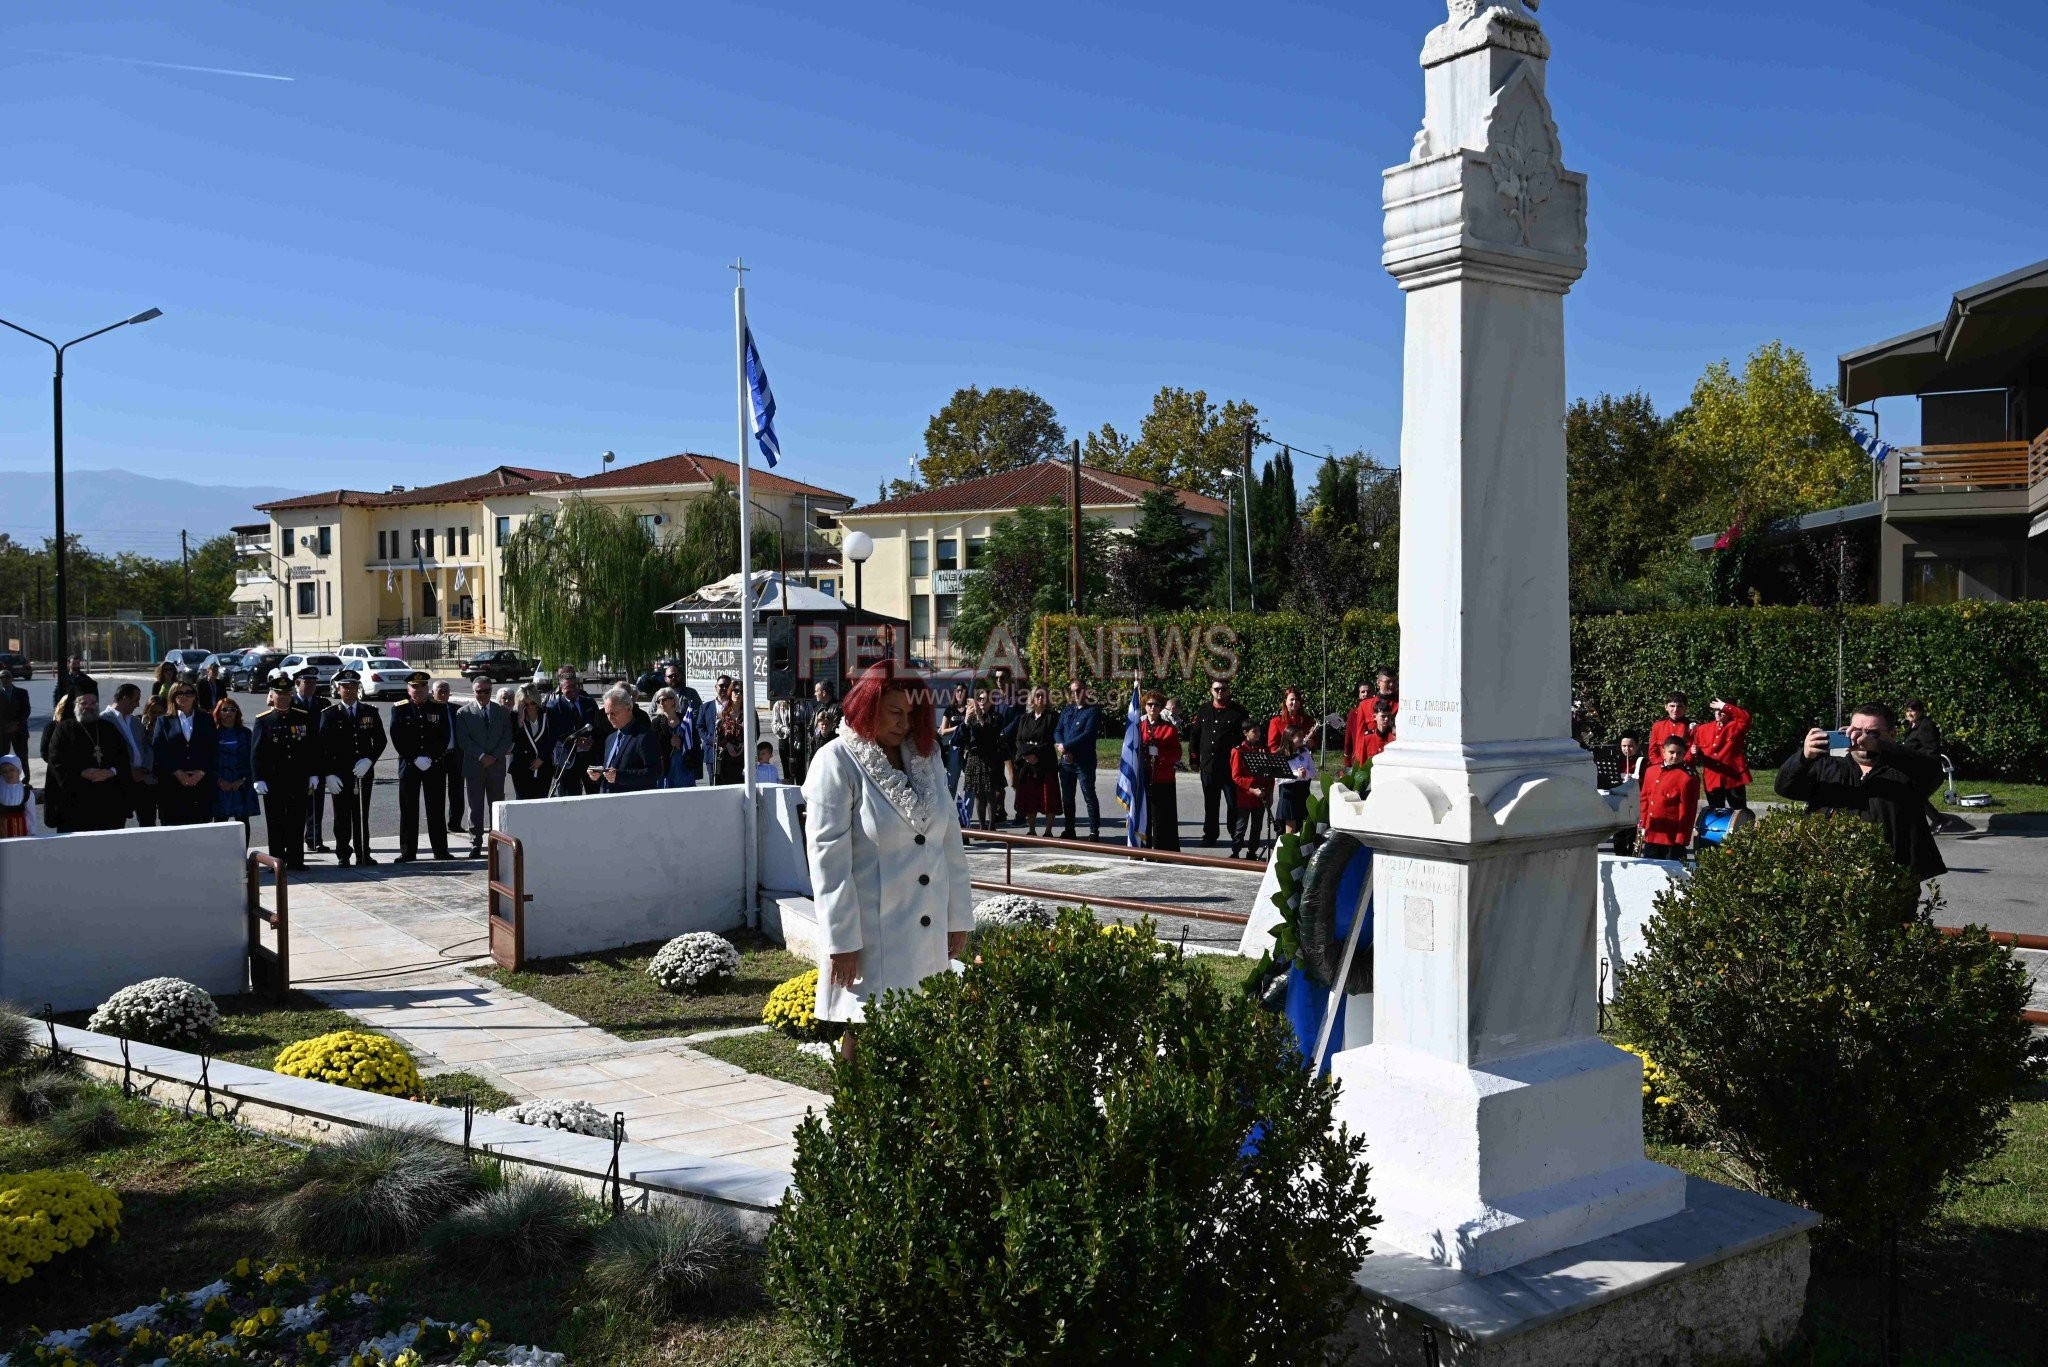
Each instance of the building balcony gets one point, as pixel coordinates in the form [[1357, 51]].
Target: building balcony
[[246, 577], [1988, 467]]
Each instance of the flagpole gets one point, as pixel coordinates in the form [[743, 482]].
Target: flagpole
[[749, 852]]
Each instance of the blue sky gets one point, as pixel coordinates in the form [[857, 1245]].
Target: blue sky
[[470, 234]]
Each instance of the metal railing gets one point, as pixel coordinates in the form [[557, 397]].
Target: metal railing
[[1012, 843], [506, 902], [1964, 467], [270, 970], [2013, 939], [2037, 459]]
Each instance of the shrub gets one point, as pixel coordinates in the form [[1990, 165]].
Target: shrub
[[18, 1038], [373, 1191], [1083, 1150], [166, 1011], [578, 1117], [353, 1058], [40, 1095], [792, 1010], [665, 1259], [1821, 1030], [88, 1125], [46, 1213], [528, 1225], [1010, 909], [695, 960], [1661, 1116]]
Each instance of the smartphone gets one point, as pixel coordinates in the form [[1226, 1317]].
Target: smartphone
[[1838, 742]]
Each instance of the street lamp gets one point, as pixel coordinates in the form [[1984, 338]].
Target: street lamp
[[857, 547], [57, 438]]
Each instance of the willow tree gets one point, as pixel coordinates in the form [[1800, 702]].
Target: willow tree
[[583, 585]]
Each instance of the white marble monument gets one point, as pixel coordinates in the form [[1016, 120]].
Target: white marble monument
[[1501, 1128]]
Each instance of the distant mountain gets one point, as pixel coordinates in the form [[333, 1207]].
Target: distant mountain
[[118, 510]]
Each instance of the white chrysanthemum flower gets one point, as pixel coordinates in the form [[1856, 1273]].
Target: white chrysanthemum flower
[[690, 961], [159, 1010], [578, 1117], [1009, 909]]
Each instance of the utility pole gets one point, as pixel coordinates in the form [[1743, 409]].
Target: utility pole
[[1251, 582], [1230, 543], [1074, 535], [185, 556]]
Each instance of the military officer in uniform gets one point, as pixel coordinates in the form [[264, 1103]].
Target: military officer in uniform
[[351, 741], [285, 762], [306, 698], [420, 728]]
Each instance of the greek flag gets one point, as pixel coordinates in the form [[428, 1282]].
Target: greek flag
[[1132, 774], [1876, 449], [763, 401]]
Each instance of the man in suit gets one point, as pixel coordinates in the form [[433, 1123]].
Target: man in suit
[[629, 763], [350, 740], [14, 707], [212, 688], [419, 733], [88, 770], [451, 762], [483, 737], [285, 762], [306, 698], [71, 681], [568, 711], [141, 761]]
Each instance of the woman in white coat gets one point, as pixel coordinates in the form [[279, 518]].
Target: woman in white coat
[[888, 870]]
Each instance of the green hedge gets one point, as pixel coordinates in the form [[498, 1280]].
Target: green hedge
[[1983, 667]]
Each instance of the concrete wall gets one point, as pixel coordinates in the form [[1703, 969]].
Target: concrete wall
[[1628, 894], [623, 868], [785, 865], [84, 915]]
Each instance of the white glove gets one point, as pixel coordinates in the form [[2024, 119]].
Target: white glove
[[262, 788], [312, 783], [334, 784], [422, 763], [362, 767]]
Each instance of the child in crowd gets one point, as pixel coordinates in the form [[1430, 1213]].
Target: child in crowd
[[1671, 796], [1249, 792], [765, 769]]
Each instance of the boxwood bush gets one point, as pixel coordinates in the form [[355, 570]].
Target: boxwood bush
[[1821, 1030], [1081, 1149], [1982, 667]]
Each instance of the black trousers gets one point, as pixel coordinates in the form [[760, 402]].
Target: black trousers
[[284, 814], [1074, 777], [413, 786], [352, 815], [1247, 824], [1722, 799], [451, 775], [1162, 816], [143, 795], [1216, 789], [316, 804], [177, 805]]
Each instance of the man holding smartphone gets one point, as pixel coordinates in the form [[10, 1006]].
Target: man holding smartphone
[[1879, 779]]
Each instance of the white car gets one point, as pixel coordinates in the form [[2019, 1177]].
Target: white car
[[359, 650], [383, 677]]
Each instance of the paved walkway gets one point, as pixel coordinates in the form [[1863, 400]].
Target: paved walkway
[[389, 947]]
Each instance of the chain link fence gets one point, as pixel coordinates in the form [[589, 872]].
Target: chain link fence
[[117, 641]]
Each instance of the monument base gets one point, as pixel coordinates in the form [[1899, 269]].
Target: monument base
[[1722, 1281]]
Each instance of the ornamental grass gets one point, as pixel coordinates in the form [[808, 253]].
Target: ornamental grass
[[353, 1058], [530, 1225], [666, 1259], [373, 1191]]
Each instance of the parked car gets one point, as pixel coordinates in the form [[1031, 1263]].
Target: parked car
[[225, 659], [500, 666], [249, 672], [16, 663], [361, 650], [188, 661], [327, 665], [383, 677]]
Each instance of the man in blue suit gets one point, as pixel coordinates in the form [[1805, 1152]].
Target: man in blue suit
[[629, 763], [568, 710], [1074, 738]]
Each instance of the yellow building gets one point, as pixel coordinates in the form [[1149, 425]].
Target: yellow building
[[348, 565], [929, 543]]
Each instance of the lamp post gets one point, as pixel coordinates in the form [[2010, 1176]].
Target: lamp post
[[857, 547], [57, 442]]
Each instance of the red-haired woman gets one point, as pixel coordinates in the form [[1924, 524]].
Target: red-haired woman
[[1159, 741], [888, 870], [1289, 734]]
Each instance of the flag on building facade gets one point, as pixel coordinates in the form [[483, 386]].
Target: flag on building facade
[[1877, 449], [763, 403], [1132, 776]]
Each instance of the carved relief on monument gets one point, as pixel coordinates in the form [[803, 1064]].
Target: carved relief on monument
[[1535, 202]]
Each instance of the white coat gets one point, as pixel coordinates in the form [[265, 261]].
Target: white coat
[[888, 869]]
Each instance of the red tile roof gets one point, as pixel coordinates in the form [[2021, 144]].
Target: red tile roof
[[1045, 482], [688, 470], [502, 479]]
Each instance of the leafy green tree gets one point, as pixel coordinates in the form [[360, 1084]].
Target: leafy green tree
[[1023, 574], [1766, 443], [1185, 441], [1346, 552], [985, 432], [1163, 565], [1630, 491]]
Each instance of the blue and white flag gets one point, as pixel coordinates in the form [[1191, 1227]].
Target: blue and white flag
[[1133, 773], [1876, 448], [762, 399]]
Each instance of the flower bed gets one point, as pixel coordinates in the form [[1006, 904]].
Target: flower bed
[[353, 1058], [43, 1214], [792, 1010], [274, 1317], [695, 960], [166, 1011], [577, 1117]]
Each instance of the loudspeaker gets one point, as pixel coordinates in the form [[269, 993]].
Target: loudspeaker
[[781, 658]]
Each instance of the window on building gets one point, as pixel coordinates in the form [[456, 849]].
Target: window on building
[[977, 546], [330, 598], [430, 603], [949, 608], [381, 547], [285, 536], [430, 543], [920, 618], [309, 598], [465, 541], [1952, 578], [326, 541], [949, 553], [415, 541], [450, 542], [504, 530], [920, 558]]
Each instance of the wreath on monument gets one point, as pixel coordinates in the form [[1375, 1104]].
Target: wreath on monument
[[1307, 866]]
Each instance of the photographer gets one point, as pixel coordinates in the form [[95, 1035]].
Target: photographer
[[1880, 780]]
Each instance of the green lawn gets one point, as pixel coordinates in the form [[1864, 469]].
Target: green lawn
[[772, 1056], [2014, 799], [611, 989]]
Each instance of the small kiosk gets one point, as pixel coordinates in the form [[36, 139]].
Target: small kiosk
[[801, 635]]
